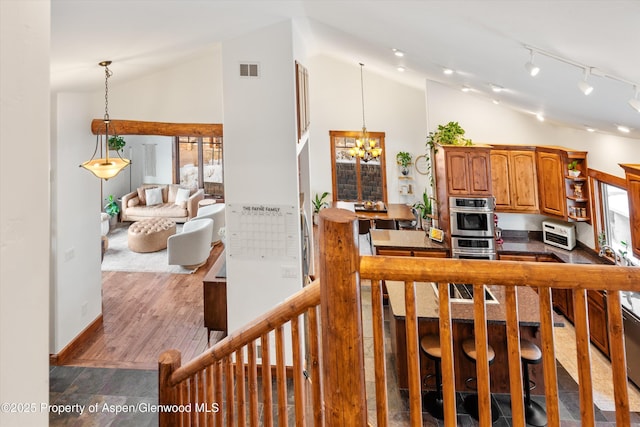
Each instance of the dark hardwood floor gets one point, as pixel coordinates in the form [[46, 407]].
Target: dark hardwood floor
[[145, 314]]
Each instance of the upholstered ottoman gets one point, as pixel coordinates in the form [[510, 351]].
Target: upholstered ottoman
[[150, 235]]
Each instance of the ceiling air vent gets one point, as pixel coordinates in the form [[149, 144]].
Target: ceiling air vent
[[249, 70]]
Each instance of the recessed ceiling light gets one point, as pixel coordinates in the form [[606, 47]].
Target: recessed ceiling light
[[623, 129], [398, 52], [465, 88], [590, 129], [540, 117], [496, 88], [401, 69], [496, 101], [447, 71]]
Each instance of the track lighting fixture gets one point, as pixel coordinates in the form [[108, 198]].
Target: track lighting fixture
[[585, 87], [623, 129], [496, 88], [531, 67], [465, 88], [635, 102], [447, 71]]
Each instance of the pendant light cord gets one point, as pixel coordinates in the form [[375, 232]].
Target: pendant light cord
[[362, 95]]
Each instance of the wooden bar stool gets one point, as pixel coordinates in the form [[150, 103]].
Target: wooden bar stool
[[534, 413], [432, 400], [471, 401]]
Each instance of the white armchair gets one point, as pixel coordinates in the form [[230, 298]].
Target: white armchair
[[191, 247], [216, 213]]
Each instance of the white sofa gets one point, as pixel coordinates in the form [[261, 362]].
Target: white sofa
[[191, 247], [136, 208], [216, 213]]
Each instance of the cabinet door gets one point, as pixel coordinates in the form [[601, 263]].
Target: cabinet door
[[500, 182], [633, 192], [598, 321], [479, 173], [551, 184], [458, 173], [430, 254], [524, 185]]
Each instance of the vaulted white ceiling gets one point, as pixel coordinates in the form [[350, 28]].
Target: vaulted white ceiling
[[482, 41]]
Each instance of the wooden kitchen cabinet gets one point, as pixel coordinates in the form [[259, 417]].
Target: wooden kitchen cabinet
[[560, 194], [467, 169], [632, 172], [551, 184], [597, 306], [514, 180]]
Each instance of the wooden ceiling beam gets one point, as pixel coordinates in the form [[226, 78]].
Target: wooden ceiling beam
[[134, 127]]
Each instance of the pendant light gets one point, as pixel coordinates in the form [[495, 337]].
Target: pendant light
[[105, 167], [366, 148]]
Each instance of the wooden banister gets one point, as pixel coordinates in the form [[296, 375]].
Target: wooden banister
[[342, 343], [308, 297]]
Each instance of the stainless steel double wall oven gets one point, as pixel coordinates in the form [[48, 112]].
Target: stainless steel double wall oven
[[472, 227]]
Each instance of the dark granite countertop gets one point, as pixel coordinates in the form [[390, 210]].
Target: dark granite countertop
[[531, 243]]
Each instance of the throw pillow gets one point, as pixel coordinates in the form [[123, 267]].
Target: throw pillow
[[182, 197], [153, 196], [141, 194]]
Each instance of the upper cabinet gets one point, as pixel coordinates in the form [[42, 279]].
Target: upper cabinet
[[514, 179], [633, 192], [467, 169], [562, 181]]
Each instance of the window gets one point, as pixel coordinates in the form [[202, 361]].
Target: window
[[613, 214], [198, 164], [354, 178]]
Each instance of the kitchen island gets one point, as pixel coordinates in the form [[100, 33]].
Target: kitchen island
[[462, 327]]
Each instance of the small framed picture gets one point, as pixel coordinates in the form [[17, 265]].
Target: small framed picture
[[436, 234]]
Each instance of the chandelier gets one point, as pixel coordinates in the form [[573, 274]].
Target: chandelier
[[105, 167], [366, 148]]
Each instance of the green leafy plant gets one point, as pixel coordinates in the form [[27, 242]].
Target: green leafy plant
[[424, 207], [573, 165], [403, 158], [111, 208], [319, 202], [449, 134], [116, 143]]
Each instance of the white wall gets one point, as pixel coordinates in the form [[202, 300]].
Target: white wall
[[260, 160], [24, 211], [390, 107], [76, 298]]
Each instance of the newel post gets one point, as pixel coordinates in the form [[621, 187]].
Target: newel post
[[342, 344], [168, 362]]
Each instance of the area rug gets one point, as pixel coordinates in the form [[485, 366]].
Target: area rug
[[564, 340], [119, 258]]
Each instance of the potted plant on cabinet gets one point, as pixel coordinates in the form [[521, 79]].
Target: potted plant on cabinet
[[404, 160], [112, 209], [573, 169], [449, 134], [425, 211], [319, 203]]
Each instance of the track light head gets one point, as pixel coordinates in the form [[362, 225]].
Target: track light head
[[635, 102], [585, 87], [531, 67]]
